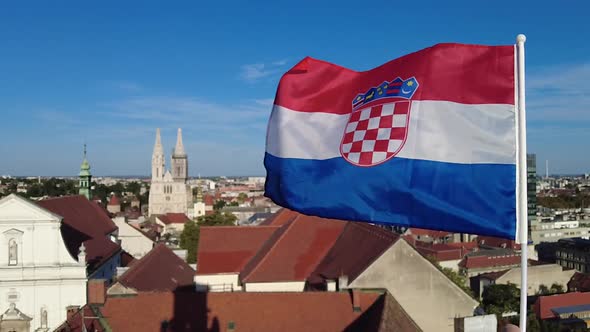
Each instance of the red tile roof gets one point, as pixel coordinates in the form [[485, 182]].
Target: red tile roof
[[173, 218], [544, 304], [227, 249], [358, 246], [497, 242], [288, 312], [280, 217], [114, 200], [439, 254], [209, 200], [474, 262], [85, 222], [294, 251], [74, 323], [579, 282], [429, 233], [444, 251], [80, 213], [469, 246], [160, 270]]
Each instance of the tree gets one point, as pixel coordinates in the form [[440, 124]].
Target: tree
[[455, 277], [217, 219], [499, 299], [556, 288], [242, 197], [533, 324], [543, 290], [219, 204], [133, 187], [189, 240]]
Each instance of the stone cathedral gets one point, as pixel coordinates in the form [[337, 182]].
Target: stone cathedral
[[169, 191]]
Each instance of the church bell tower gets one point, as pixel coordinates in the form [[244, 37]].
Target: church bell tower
[[85, 177], [179, 160]]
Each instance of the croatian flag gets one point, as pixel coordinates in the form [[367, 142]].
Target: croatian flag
[[427, 140]]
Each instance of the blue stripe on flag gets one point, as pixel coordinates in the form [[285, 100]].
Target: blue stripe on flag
[[466, 198]]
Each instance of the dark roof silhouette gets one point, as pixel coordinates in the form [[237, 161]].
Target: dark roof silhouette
[[85, 222], [159, 270]]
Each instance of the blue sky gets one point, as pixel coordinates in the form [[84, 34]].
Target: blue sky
[[108, 73]]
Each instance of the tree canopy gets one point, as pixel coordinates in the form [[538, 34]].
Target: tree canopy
[[189, 240], [554, 289], [217, 219], [499, 299]]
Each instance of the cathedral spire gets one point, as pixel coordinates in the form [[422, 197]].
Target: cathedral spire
[[158, 149], [85, 177], [158, 164], [179, 148]]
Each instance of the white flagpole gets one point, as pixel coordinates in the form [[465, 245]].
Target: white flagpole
[[522, 207]]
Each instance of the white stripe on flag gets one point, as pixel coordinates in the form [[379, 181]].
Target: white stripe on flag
[[439, 131]]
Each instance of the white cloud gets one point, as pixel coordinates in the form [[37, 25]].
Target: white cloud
[[237, 120], [559, 93], [280, 62], [256, 71]]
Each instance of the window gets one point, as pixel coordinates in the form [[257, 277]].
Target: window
[[12, 252]]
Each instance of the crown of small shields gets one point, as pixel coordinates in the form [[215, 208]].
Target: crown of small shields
[[397, 88]]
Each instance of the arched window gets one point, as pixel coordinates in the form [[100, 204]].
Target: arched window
[[12, 252]]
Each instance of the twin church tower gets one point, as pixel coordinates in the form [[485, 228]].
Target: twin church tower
[[169, 191]]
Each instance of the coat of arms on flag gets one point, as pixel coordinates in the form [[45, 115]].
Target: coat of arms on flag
[[378, 126]]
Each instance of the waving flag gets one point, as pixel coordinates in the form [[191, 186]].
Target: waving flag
[[427, 140]]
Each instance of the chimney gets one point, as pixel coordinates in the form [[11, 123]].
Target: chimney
[[331, 285], [71, 311], [356, 300], [97, 291], [343, 282]]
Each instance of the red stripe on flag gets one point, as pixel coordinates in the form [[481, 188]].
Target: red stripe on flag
[[447, 72]]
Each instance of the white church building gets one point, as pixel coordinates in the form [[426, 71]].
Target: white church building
[[39, 278], [169, 191]]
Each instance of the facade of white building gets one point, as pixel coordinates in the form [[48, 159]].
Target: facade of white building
[[39, 278], [132, 239], [169, 191]]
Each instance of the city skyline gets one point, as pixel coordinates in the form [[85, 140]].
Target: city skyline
[[73, 77]]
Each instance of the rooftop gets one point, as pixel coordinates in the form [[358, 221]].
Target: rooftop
[[579, 282], [357, 247], [244, 311], [227, 249], [545, 304], [159, 270], [483, 261], [85, 222], [293, 251]]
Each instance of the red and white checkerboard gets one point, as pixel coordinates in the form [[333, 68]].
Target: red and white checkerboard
[[375, 134]]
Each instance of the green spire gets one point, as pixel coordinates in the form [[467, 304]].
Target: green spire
[[85, 167], [85, 177]]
